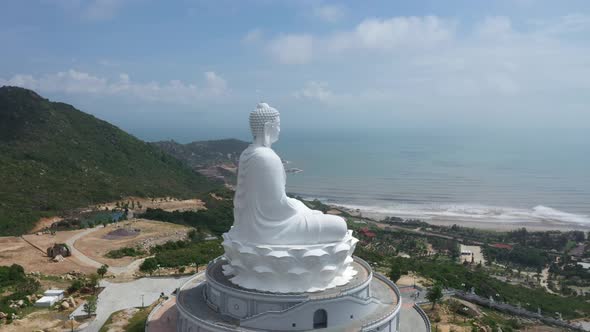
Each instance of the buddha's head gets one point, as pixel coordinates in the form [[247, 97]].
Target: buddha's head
[[265, 124]]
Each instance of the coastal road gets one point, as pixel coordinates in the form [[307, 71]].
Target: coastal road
[[385, 226], [119, 296]]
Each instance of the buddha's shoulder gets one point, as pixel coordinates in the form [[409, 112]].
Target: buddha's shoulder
[[260, 152], [265, 153]]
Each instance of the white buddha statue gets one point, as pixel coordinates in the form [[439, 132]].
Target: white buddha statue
[[277, 243], [263, 213]]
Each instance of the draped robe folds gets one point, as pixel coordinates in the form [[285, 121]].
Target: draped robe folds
[[263, 214]]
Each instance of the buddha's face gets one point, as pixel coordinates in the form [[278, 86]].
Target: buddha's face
[[273, 129]]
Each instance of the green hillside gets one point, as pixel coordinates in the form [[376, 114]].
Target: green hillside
[[202, 154], [55, 157]]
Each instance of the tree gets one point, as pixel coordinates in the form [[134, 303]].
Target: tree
[[28, 286], [93, 282], [434, 294], [149, 265], [75, 286], [394, 274], [90, 306], [102, 270]]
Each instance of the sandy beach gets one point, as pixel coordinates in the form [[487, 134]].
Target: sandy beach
[[480, 223]]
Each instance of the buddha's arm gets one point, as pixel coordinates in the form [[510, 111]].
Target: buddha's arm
[[301, 206], [270, 187]]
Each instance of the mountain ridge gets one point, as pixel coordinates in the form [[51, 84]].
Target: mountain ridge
[[201, 154], [54, 157]]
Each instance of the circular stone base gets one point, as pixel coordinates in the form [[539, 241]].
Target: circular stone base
[[367, 303]]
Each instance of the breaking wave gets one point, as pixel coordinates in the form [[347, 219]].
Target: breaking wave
[[480, 213]]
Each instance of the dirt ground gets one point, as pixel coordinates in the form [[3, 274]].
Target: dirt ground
[[541, 328], [45, 223], [477, 254], [51, 321], [165, 203], [95, 246], [29, 251], [32, 257], [409, 279], [120, 320]]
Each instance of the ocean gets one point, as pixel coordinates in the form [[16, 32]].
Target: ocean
[[504, 175], [508, 176]]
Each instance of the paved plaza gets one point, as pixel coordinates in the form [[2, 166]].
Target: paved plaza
[[119, 296]]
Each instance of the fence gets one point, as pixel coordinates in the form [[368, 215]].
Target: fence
[[424, 317], [508, 308]]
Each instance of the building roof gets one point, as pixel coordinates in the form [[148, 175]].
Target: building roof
[[53, 292], [366, 232], [47, 299], [502, 246]]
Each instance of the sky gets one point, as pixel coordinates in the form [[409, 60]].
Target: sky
[[192, 66]]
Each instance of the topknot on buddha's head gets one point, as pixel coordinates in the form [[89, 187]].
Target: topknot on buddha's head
[[260, 116]]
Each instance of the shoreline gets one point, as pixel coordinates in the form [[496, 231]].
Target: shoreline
[[481, 223]]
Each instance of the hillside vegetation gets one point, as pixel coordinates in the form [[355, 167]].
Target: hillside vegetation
[[55, 157], [203, 154]]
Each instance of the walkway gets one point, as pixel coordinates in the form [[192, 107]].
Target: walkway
[[119, 296], [116, 270], [164, 318], [410, 319], [79, 255]]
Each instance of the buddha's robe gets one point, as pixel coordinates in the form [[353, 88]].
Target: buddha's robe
[[263, 214]]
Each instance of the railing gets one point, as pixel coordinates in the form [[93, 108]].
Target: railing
[[395, 311], [151, 315], [286, 296], [346, 290], [220, 326], [185, 314], [505, 307], [210, 279], [424, 316]]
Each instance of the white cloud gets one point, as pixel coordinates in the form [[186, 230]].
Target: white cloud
[[253, 36], [99, 10], [563, 25], [107, 63], [498, 26], [216, 85], [292, 49], [329, 13], [422, 61], [77, 82], [93, 10], [314, 90], [393, 34]]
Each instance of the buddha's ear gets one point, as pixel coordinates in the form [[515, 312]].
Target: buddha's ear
[[266, 140]]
